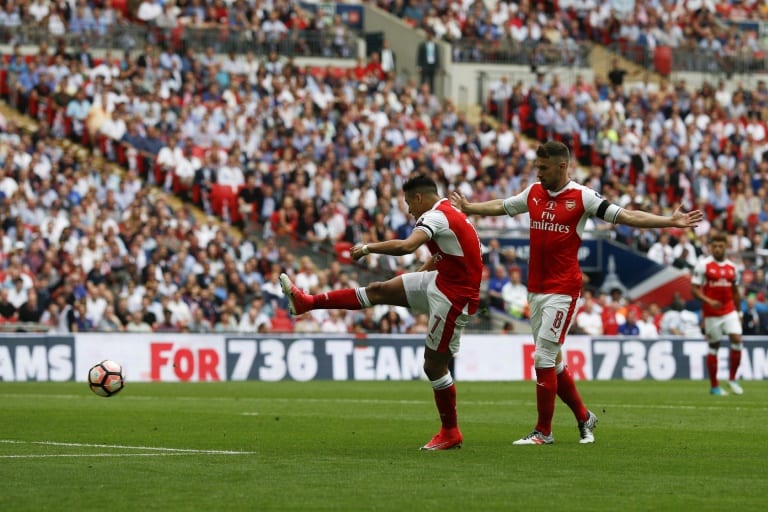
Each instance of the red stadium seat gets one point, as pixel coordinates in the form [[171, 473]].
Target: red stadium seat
[[343, 252], [224, 195], [281, 322], [4, 83]]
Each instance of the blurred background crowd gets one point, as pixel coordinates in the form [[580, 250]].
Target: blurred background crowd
[[165, 188]]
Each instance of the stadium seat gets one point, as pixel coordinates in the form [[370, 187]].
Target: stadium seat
[[343, 252], [220, 196], [4, 83], [281, 322]]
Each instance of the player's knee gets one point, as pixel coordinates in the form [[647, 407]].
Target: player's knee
[[435, 369], [377, 292], [545, 355]]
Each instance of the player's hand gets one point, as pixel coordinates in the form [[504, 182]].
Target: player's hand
[[458, 200], [357, 251], [687, 220], [715, 303]]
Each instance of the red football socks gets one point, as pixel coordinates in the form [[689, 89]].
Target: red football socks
[[712, 369], [566, 390], [445, 399], [546, 391], [734, 361], [337, 299]]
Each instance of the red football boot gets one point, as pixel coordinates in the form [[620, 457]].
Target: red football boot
[[298, 301], [446, 439]]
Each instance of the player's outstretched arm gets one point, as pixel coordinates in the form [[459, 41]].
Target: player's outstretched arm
[[486, 208], [641, 219], [392, 247]]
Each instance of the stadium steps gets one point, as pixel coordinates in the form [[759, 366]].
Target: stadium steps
[[31, 125], [600, 58]]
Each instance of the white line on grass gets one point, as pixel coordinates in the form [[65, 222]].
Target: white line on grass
[[53, 455], [384, 402], [123, 447]]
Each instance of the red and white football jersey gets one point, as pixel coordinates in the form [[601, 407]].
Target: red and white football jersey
[[455, 245], [716, 279], [557, 222]]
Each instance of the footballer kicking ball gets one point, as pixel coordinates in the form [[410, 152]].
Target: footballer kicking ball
[[106, 378]]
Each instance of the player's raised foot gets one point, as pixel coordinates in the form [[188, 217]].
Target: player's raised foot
[[298, 301], [717, 391], [586, 428], [536, 437], [736, 388], [446, 439]]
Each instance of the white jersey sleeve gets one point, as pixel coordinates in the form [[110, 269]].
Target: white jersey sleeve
[[517, 203], [432, 223], [738, 271], [597, 206], [699, 274]]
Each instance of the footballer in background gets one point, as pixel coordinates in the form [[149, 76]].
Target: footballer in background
[[716, 282]]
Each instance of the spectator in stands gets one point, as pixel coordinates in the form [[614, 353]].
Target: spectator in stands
[[255, 320], [335, 322], [199, 323], [754, 321], [588, 320], [137, 324], [648, 323], [110, 322], [388, 59], [515, 295], [679, 321], [357, 227], [77, 320], [611, 318], [166, 324], [77, 111], [630, 327], [684, 252], [428, 60], [661, 251], [7, 310], [227, 322], [306, 323], [17, 294], [496, 283]]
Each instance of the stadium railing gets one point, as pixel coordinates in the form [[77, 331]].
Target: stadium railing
[[132, 36], [665, 60], [23, 327], [507, 51]]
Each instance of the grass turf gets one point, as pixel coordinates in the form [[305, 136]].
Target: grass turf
[[353, 446]]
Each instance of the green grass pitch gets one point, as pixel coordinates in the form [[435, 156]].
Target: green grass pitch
[[353, 446]]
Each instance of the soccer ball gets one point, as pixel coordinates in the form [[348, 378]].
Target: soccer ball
[[106, 378]]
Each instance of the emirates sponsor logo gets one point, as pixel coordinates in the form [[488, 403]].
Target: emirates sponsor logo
[[552, 227]]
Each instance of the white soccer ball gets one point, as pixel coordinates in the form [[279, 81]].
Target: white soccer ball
[[106, 378]]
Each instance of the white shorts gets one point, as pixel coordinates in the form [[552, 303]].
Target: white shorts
[[718, 326], [551, 315], [446, 321]]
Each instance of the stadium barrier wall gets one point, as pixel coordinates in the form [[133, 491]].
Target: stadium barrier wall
[[219, 357]]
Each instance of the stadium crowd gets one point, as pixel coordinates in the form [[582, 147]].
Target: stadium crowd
[[260, 25], [318, 155], [706, 35]]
